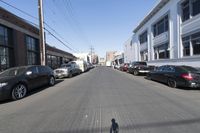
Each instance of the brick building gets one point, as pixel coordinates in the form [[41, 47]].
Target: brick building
[[19, 44]]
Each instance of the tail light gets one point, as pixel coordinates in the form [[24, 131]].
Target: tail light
[[187, 76]]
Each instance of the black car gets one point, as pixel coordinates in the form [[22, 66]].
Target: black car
[[16, 82], [139, 67], [176, 76]]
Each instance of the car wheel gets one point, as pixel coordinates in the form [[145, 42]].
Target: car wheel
[[148, 77], [135, 72], [70, 75], [19, 91], [172, 83], [51, 81]]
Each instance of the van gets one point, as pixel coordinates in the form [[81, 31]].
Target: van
[[82, 65]]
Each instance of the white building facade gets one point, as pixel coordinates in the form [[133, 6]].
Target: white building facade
[[169, 34], [130, 50]]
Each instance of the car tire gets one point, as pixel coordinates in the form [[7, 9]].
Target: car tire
[[70, 75], [19, 91], [172, 83], [51, 81], [135, 72], [148, 77]]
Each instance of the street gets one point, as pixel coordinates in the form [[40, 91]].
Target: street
[[86, 104]]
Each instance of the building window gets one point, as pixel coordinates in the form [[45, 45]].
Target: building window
[[32, 50], [189, 9], [143, 37], [196, 43], [6, 48], [185, 10], [195, 7], [131, 43], [54, 61], [186, 46], [161, 51], [144, 55], [161, 26], [191, 41]]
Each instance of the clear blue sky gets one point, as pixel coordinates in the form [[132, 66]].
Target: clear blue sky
[[104, 24]]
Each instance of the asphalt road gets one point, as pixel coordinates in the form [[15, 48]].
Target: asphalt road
[[87, 103]]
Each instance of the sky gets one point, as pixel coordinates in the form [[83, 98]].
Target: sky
[[104, 25]]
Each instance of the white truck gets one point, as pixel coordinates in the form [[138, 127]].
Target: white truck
[[82, 65], [108, 63]]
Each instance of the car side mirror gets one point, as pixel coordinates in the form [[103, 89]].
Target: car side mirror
[[28, 73]]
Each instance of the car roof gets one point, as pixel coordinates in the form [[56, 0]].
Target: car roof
[[28, 66]]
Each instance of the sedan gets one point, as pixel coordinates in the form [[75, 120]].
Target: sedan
[[176, 76], [16, 82]]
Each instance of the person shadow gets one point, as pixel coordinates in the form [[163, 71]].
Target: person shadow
[[114, 126]]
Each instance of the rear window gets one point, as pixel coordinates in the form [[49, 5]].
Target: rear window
[[188, 68], [140, 63]]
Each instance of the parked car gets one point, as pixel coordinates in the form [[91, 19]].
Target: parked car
[[116, 66], [16, 82], [81, 64], [90, 66], [139, 67], [67, 70], [124, 67], [176, 76]]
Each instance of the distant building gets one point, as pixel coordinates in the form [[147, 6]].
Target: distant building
[[129, 53], [169, 34], [19, 44], [118, 58], [102, 61], [110, 55]]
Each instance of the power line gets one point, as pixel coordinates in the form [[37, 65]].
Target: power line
[[19, 10], [59, 40], [76, 50], [59, 35], [69, 8], [38, 25], [91, 53]]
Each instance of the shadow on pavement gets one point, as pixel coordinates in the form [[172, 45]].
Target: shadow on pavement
[[43, 88], [34, 91], [134, 126]]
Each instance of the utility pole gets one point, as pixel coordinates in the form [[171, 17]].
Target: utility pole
[[91, 52], [41, 32]]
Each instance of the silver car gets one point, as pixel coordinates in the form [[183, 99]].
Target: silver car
[[67, 70]]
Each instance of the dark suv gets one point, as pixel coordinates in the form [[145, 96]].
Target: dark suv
[[139, 67]]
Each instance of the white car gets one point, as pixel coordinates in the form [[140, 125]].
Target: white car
[[67, 70]]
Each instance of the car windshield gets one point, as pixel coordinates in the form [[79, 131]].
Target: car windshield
[[66, 65], [12, 72]]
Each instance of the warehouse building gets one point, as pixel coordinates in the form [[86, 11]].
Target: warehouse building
[[169, 34], [19, 44]]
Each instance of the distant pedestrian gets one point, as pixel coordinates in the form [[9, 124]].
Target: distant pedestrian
[[114, 127]]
